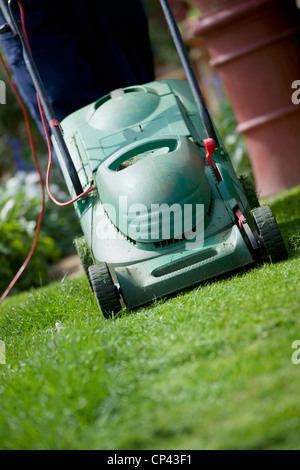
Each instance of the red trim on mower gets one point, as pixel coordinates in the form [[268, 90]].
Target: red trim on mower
[[210, 147], [240, 216]]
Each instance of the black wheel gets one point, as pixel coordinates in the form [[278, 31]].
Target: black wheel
[[104, 289], [84, 255], [249, 190], [273, 248]]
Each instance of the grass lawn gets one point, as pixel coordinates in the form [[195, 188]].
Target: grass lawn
[[209, 368]]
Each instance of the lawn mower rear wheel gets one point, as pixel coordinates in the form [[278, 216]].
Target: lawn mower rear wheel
[[273, 248], [104, 289]]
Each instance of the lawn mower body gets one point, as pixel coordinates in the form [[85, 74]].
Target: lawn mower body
[[167, 210], [163, 217]]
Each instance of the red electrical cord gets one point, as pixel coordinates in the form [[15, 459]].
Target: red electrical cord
[[62, 204], [40, 218], [33, 150]]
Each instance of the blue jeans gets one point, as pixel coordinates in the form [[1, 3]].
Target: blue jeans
[[82, 50]]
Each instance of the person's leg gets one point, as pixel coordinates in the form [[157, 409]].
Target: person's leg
[[114, 40], [82, 50], [22, 78], [65, 73]]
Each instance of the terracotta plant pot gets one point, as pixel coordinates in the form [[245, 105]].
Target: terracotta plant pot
[[255, 47]]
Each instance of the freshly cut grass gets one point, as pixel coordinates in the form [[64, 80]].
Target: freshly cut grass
[[209, 368]]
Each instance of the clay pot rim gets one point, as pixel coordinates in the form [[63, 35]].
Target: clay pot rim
[[212, 21]]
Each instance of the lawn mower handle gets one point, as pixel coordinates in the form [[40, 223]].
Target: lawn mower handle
[[9, 12], [195, 89]]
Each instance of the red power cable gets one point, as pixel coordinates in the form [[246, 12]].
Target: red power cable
[[32, 146], [62, 204], [40, 218]]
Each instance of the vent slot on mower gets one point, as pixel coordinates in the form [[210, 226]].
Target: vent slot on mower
[[160, 147], [185, 263]]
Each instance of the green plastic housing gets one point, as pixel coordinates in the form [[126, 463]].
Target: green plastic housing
[[142, 147]]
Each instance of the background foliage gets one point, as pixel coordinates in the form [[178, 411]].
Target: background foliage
[[20, 203]]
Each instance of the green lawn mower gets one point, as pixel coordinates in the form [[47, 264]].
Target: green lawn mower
[[168, 210]]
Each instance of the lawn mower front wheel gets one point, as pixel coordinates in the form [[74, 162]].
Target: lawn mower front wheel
[[271, 242], [105, 291]]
